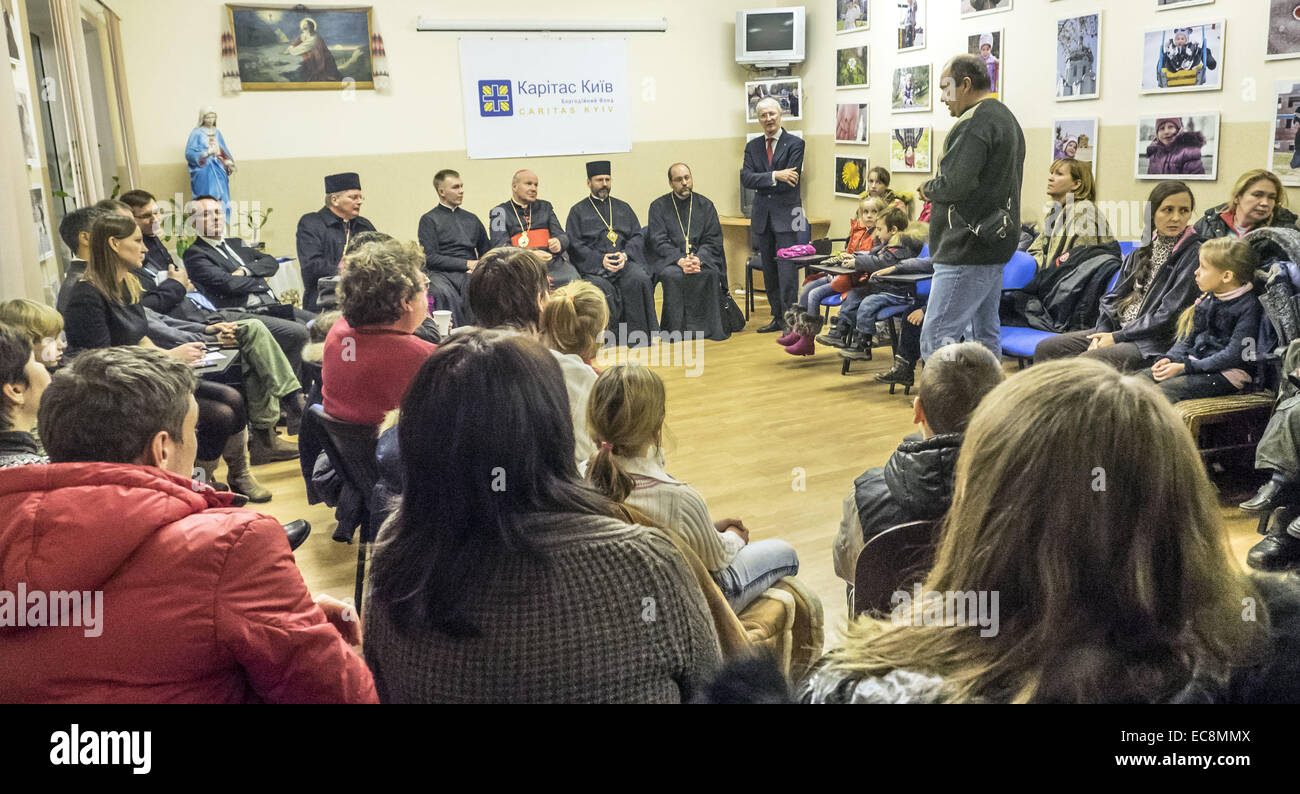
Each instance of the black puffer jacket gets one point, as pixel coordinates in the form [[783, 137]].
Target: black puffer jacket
[[915, 485], [1212, 225]]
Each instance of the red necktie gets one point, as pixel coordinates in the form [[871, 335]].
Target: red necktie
[[770, 143]]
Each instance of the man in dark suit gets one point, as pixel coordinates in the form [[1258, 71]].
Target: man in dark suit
[[232, 277], [771, 169]]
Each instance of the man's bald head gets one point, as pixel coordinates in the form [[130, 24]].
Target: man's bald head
[[524, 186]]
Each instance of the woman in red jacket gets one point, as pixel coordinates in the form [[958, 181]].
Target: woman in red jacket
[[180, 596]]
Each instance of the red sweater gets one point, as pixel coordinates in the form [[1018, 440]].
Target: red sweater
[[365, 371]]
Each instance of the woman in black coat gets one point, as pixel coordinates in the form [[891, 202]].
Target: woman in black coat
[[1156, 283]]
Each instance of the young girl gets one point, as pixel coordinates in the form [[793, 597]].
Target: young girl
[[1175, 151], [1210, 357], [878, 185], [626, 417], [819, 287], [572, 323], [574, 319]]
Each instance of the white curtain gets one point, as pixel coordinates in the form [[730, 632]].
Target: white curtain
[[70, 46]]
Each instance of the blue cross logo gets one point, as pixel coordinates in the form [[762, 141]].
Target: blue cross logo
[[494, 98]]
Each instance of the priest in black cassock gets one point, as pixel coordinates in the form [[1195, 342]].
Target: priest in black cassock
[[604, 234], [525, 221], [323, 235], [685, 250], [453, 239]]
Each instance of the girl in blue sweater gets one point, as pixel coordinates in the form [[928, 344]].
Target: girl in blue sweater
[[1216, 336]]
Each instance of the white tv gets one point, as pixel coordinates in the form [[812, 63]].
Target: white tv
[[770, 37]]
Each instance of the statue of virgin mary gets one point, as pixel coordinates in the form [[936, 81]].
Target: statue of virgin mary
[[209, 159]]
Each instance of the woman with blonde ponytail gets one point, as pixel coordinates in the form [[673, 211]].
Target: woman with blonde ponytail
[[572, 322], [626, 419], [1216, 335]]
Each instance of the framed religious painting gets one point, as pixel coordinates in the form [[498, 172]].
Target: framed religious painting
[[295, 48]]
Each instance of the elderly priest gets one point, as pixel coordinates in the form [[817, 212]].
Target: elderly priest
[[526, 221], [323, 235]]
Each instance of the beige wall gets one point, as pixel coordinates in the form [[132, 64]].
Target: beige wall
[[691, 108]]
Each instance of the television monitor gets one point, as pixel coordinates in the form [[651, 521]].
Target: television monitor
[[770, 37]]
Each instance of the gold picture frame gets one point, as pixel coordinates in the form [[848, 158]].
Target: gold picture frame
[[297, 48]]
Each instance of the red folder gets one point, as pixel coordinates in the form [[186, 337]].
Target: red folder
[[537, 238]]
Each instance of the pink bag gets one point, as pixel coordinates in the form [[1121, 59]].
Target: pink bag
[[796, 250]]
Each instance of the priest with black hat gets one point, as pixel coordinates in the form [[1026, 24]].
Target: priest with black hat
[[684, 247], [323, 235], [605, 243]]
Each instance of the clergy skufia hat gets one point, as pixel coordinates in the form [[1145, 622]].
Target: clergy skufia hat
[[337, 183], [597, 168]]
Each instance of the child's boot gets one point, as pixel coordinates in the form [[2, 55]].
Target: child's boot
[[901, 375]]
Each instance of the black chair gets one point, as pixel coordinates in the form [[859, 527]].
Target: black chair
[[891, 561], [351, 450]]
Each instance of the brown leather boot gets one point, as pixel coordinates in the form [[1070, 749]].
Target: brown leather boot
[[241, 474], [266, 446]]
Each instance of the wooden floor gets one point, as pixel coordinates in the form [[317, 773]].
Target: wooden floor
[[766, 437]]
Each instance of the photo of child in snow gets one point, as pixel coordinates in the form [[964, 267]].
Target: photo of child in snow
[[1186, 147], [988, 48], [1186, 58]]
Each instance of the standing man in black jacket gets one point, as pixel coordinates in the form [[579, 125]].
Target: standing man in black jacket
[[975, 219], [323, 235], [772, 165]]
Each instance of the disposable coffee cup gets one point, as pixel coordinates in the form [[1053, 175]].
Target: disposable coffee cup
[[442, 320]]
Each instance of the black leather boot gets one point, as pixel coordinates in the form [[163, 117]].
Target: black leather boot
[[1279, 551], [1272, 494], [901, 375]]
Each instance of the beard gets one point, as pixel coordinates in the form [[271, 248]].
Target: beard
[[601, 194]]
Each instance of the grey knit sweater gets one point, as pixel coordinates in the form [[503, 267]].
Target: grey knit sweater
[[616, 617]]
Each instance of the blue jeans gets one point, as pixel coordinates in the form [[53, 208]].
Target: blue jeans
[[755, 568], [963, 301], [873, 305], [814, 292], [849, 308]]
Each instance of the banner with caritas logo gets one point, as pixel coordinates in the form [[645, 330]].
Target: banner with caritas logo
[[530, 96]]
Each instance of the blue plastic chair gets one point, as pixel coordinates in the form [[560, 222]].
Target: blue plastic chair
[[1127, 247], [1020, 343], [830, 302], [925, 251], [1018, 271]]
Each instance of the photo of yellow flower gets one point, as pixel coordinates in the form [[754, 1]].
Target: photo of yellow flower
[[850, 175]]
